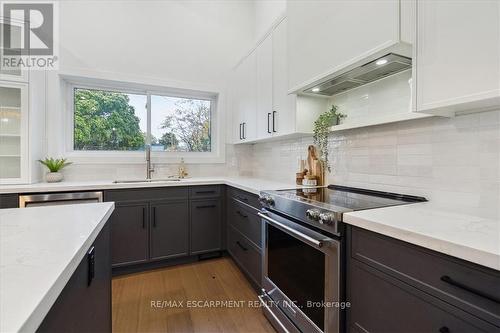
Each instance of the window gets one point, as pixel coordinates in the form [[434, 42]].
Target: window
[[110, 120], [180, 124]]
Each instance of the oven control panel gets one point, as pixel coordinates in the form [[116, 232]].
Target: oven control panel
[[266, 200], [313, 214], [321, 217], [303, 211]]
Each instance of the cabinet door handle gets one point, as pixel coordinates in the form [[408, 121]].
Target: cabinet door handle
[[444, 329], [205, 192], [91, 265], [206, 206], [143, 217], [241, 214], [154, 217], [244, 134], [268, 120], [274, 121], [241, 136], [449, 280], [241, 246]]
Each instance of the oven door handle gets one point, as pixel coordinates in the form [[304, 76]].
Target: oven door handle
[[313, 241]]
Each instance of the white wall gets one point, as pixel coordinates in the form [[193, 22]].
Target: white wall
[[266, 13], [177, 43], [176, 40]]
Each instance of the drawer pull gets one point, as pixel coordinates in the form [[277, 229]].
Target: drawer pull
[[241, 198], [206, 206], [205, 192], [241, 214], [449, 280], [444, 329], [241, 246]]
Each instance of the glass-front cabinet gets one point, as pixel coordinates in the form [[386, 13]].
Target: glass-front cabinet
[[13, 131], [15, 34]]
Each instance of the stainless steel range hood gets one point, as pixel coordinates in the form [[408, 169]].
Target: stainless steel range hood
[[372, 71]]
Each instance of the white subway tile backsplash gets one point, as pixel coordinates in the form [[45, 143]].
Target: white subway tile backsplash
[[414, 160], [415, 149], [452, 161]]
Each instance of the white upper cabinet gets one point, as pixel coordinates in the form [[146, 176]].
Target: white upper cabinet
[[327, 37], [265, 88], [262, 107], [13, 74], [284, 104], [457, 56], [245, 99]]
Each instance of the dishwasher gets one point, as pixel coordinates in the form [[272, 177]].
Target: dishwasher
[[55, 199]]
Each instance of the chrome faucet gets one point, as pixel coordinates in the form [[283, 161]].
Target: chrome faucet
[[149, 169]]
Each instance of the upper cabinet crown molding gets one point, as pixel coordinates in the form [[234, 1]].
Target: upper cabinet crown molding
[[328, 38], [457, 56]]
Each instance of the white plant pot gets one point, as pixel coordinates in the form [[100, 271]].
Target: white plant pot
[[53, 177]]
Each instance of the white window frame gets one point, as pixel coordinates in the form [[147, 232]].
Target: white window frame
[[216, 155]]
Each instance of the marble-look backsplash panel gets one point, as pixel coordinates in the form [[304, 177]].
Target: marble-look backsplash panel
[[455, 162]]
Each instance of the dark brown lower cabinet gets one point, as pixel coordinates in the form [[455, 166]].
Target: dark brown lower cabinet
[[246, 255], [169, 229], [9, 201], [394, 286], [84, 304], [129, 233], [244, 233], [154, 224], [206, 224], [380, 303]]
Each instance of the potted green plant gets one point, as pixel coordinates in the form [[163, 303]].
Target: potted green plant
[[54, 165], [322, 129]]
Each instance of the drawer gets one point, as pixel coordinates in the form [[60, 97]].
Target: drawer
[[205, 191], [245, 197], [246, 221], [145, 194], [245, 254], [9, 201], [470, 287], [380, 303]]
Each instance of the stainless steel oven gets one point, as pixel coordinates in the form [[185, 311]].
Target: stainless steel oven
[[301, 276]]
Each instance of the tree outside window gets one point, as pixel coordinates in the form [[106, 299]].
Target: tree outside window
[[181, 124], [116, 121]]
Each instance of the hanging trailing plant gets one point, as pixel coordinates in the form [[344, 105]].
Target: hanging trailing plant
[[322, 129]]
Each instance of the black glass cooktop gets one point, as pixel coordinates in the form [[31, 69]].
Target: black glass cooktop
[[349, 198]]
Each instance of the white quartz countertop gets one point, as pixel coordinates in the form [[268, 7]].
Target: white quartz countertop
[[467, 237], [40, 248], [253, 185]]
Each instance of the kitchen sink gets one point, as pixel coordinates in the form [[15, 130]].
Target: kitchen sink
[[146, 180]]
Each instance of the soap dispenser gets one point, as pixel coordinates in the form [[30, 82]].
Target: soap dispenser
[[182, 169]]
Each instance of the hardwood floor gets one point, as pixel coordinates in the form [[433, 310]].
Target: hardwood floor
[[140, 301]]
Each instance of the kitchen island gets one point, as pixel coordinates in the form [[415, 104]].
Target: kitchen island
[[44, 252]]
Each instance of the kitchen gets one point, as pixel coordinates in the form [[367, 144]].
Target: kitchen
[[250, 166]]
